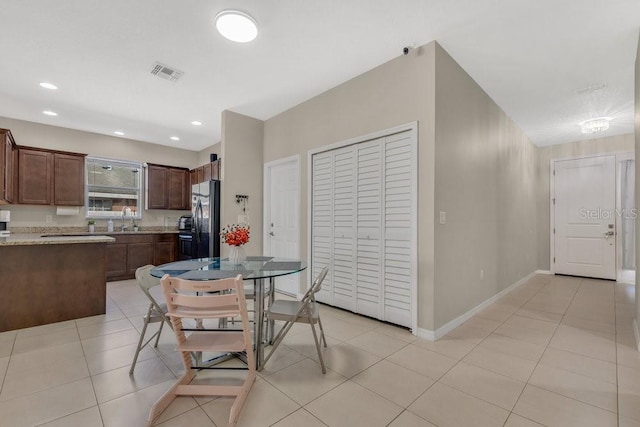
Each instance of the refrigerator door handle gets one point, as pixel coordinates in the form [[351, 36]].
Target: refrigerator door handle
[[200, 216]]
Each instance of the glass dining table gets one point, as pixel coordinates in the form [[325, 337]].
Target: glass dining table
[[256, 268]]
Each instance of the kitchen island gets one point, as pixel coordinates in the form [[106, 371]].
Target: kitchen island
[[51, 279]]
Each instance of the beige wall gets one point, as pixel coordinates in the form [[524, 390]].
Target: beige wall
[[611, 144], [637, 158], [57, 138], [485, 182], [203, 155], [242, 164], [397, 92]]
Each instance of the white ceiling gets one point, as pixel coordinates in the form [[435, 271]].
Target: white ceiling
[[530, 56]]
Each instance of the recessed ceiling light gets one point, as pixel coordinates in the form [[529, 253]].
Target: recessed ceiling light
[[598, 124], [119, 133], [175, 138], [50, 113], [47, 85], [236, 26], [196, 123]]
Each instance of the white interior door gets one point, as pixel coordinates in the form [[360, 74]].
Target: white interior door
[[585, 217], [282, 217]]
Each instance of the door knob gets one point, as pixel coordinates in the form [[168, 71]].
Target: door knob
[[609, 234]]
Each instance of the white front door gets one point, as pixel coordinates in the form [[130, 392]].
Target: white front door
[[585, 217], [282, 217]]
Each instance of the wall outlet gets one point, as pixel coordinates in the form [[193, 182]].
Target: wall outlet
[[48, 219], [443, 217], [481, 274]]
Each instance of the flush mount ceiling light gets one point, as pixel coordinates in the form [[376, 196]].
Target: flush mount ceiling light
[[119, 133], [598, 124], [174, 138], [196, 123], [50, 113], [236, 26], [48, 85]]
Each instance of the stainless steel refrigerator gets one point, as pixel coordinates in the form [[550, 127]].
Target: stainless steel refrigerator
[[205, 208]]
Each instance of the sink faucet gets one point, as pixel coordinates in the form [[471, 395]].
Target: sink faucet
[[126, 210]]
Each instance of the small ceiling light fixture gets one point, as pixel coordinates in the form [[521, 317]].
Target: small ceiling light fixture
[[236, 26], [50, 86], [174, 138], [196, 123], [599, 124], [119, 133], [50, 113]]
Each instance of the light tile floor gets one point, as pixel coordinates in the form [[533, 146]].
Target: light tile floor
[[557, 351]]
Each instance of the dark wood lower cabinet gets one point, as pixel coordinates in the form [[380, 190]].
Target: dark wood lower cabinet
[[44, 284], [138, 255], [165, 249], [116, 260], [131, 251]]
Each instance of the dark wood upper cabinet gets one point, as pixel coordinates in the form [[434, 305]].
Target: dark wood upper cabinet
[[35, 177], [68, 180], [157, 187], [179, 190], [8, 167], [205, 172], [168, 188], [47, 177]]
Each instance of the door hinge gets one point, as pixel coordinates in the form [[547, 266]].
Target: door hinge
[[554, 231], [554, 260], [554, 172], [554, 200]]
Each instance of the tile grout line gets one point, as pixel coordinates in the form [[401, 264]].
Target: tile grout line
[[545, 349], [548, 345], [461, 359]]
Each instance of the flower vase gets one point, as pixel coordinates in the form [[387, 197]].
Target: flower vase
[[237, 255], [92, 228]]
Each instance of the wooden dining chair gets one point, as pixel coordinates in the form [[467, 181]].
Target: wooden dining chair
[[202, 300], [304, 311]]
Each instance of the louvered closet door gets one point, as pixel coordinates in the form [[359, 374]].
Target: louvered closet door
[[322, 221], [364, 226], [343, 228], [369, 224], [399, 191]]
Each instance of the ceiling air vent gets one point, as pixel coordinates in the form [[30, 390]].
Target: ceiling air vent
[[166, 72]]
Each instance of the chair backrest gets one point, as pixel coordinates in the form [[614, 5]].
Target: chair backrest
[[146, 281], [317, 282], [315, 287], [203, 299], [206, 299], [144, 278]]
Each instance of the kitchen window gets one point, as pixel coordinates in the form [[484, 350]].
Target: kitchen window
[[113, 188]]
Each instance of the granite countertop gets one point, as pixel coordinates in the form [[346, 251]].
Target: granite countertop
[[29, 239], [68, 235]]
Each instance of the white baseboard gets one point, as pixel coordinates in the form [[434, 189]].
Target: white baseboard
[[426, 334], [543, 272], [636, 332], [450, 326]]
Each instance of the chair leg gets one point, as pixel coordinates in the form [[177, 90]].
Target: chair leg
[[155, 345], [315, 338], [324, 340], [144, 330], [277, 342]]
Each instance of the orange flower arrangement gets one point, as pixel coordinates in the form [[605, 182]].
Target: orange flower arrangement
[[235, 235]]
